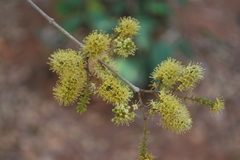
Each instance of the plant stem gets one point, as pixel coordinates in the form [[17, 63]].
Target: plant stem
[[143, 148], [52, 21], [133, 87]]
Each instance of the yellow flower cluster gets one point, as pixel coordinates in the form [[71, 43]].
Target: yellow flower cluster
[[218, 106], [124, 47], [123, 114], [96, 43], [192, 74], [114, 91], [147, 156], [175, 115], [69, 65], [111, 89], [127, 27], [168, 72], [172, 73]]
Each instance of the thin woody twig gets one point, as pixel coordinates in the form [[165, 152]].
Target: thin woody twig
[[52, 21], [148, 91], [134, 88]]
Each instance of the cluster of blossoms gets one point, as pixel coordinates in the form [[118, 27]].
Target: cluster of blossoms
[[96, 43], [69, 65], [123, 114], [175, 115], [127, 27], [74, 69], [172, 74], [124, 47], [147, 156], [114, 91]]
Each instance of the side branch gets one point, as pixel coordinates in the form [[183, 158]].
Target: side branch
[[51, 21]]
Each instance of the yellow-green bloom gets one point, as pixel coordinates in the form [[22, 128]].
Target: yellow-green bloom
[[147, 156], [168, 72], [175, 115], [62, 61], [191, 75], [96, 43], [127, 27], [123, 115], [218, 106], [66, 93], [124, 47], [114, 91], [69, 65]]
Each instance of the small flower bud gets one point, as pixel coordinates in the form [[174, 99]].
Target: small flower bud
[[218, 106], [122, 115], [124, 47]]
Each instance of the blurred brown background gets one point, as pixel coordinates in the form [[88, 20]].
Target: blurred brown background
[[34, 127]]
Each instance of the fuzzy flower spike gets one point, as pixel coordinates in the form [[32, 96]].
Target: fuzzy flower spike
[[127, 27], [168, 71], [96, 43], [218, 106], [69, 66], [175, 115], [191, 75]]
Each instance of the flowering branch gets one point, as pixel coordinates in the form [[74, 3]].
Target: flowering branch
[[52, 21], [169, 76]]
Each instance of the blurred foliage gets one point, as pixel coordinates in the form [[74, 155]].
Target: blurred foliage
[[153, 16]]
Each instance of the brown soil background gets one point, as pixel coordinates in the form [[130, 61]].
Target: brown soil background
[[34, 127]]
